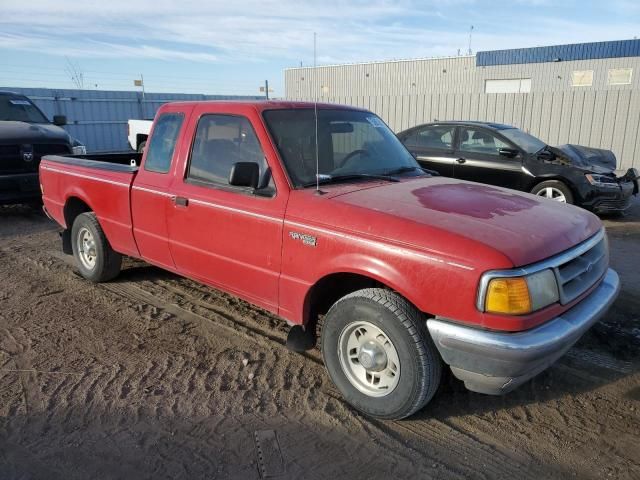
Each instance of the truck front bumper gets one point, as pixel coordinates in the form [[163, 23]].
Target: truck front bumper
[[495, 363], [19, 188]]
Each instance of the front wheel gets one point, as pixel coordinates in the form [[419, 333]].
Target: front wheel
[[96, 260], [377, 351], [554, 190]]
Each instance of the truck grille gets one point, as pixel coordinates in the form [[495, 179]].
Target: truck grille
[[12, 159], [577, 275]]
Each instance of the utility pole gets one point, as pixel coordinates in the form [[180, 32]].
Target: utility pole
[[265, 89], [140, 83]]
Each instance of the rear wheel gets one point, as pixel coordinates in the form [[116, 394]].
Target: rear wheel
[[554, 190], [96, 260], [379, 354]]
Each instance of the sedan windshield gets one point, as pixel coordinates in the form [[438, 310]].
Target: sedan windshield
[[528, 143], [351, 145], [20, 109]]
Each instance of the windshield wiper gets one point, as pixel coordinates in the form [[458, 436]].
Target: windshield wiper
[[408, 169], [324, 179]]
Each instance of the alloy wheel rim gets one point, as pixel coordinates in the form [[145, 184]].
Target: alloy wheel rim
[[369, 359], [552, 193]]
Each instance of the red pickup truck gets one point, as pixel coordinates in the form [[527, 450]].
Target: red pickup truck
[[321, 216]]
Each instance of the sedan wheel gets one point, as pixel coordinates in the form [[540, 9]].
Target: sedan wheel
[[553, 194]]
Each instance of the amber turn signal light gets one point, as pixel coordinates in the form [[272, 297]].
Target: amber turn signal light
[[509, 296]]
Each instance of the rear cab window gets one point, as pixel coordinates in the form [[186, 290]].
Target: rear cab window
[[163, 142]]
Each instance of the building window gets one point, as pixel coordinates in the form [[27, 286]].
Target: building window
[[512, 85], [619, 76], [582, 78]]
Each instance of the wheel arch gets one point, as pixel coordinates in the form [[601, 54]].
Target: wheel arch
[[558, 178], [73, 206], [332, 286]]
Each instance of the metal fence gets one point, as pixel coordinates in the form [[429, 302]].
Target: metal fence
[[99, 118]]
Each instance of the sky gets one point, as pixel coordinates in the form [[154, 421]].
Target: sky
[[232, 47]]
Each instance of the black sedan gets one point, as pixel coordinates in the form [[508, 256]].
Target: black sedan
[[508, 157]]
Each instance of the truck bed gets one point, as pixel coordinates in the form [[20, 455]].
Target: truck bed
[[117, 162], [100, 183]]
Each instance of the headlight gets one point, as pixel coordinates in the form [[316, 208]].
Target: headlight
[[601, 180], [521, 295], [79, 150]]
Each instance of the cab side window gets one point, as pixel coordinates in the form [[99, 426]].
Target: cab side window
[[480, 141], [220, 142], [438, 137], [163, 142]]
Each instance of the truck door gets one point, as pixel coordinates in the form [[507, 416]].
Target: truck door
[[223, 235], [149, 194]]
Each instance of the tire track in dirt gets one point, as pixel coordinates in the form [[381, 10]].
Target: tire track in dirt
[[18, 350], [421, 441], [448, 438], [226, 360]]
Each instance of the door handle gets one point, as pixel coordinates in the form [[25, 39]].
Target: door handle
[[461, 160], [180, 201]]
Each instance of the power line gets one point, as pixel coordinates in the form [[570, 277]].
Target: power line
[[127, 76]]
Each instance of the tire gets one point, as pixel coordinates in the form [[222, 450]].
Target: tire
[[142, 146], [556, 188], [101, 263], [419, 368]]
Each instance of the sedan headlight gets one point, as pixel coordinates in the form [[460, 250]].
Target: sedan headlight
[[521, 295], [79, 150], [601, 180]]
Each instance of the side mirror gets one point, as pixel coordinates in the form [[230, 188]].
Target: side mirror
[[59, 120], [244, 174], [508, 152], [546, 155]]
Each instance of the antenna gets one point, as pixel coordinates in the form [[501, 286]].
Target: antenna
[[315, 112], [470, 33]]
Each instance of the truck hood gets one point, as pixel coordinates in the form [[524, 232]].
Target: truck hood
[[525, 228], [26, 133], [589, 159]]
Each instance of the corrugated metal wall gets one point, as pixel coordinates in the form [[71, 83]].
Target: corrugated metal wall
[[99, 118], [407, 93], [577, 51]]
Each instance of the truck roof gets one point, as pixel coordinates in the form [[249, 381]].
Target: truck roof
[[262, 105]]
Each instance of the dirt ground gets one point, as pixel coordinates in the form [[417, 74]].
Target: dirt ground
[[144, 377]]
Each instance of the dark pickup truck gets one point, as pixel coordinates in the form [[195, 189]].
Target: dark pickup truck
[[25, 136]]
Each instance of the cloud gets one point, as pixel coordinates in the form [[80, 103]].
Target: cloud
[[266, 30]]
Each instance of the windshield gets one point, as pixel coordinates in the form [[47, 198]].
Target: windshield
[[528, 143], [350, 142], [19, 109]]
